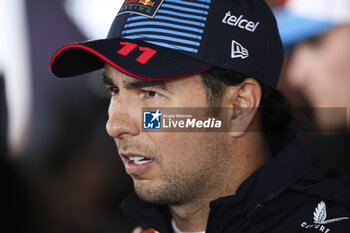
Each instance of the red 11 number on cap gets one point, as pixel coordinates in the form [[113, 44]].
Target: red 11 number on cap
[[147, 54]]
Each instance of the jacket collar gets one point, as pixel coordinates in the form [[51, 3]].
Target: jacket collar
[[290, 165]]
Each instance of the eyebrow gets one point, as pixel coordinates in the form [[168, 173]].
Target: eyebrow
[[136, 83]]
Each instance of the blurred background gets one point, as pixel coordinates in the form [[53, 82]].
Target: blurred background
[[315, 79], [62, 171]]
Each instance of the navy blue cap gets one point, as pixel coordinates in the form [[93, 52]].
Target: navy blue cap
[[165, 39]]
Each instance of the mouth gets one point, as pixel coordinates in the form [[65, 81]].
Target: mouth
[[138, 160], [135, 164]]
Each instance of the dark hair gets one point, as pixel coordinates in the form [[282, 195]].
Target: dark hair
[[274, 108]]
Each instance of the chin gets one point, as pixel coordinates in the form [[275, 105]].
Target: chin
[[157, 196], [151, 197]]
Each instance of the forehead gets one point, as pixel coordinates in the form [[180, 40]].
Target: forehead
[[113, 76]]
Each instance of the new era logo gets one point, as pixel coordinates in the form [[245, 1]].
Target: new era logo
[[151, 120], [238, 50]]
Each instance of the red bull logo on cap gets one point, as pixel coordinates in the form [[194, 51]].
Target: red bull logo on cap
[[147, 2], [146, 8]]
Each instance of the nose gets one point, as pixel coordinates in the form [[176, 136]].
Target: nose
[[123, 120]]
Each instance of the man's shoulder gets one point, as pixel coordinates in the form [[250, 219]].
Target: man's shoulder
[[308, 207], [335, 191], [319, 207], [318, 215]]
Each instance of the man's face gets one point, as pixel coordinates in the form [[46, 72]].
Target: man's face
[[172, 167], [320, 68]]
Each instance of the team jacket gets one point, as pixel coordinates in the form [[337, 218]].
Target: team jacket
[[277, 198]]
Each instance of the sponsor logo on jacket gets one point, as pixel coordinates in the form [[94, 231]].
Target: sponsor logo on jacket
[[320, 215]]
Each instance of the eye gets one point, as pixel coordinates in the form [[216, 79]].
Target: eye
[[150, 94], [113, 90]]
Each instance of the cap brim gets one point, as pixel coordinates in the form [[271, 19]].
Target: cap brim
[[133, 57], [294, 28]]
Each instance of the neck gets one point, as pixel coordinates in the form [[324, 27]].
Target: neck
[[192, 216]]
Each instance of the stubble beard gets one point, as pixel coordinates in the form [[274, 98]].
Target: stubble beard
[[184, 186], [174, 190]]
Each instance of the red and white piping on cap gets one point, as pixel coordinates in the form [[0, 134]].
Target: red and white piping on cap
[[115, 65]]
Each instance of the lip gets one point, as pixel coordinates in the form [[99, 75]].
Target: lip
[[132, 168]]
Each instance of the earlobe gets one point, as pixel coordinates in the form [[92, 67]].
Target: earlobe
[[245, 107]]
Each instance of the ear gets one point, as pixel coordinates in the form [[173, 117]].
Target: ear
[[244, 100]]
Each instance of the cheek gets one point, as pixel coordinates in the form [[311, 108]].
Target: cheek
[[172, 146], [186, 153]]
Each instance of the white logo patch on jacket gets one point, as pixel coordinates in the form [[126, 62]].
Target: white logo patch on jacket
[[320, 215]]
